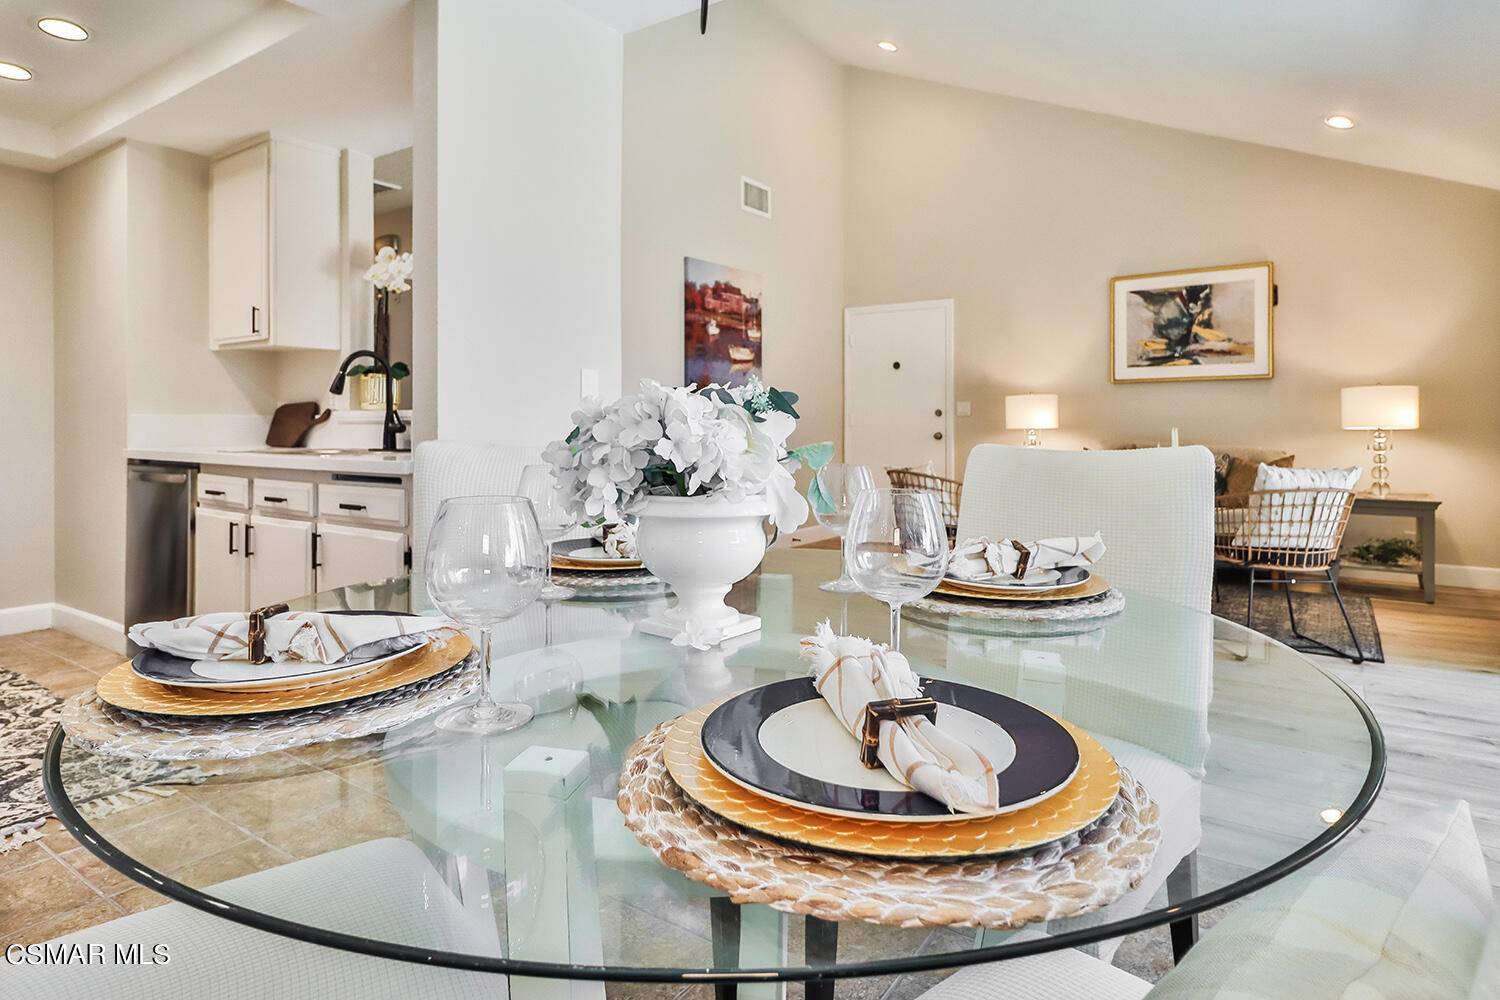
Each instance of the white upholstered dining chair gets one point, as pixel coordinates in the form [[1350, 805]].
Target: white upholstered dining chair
[[446, 469], [1154, 507], [386, 889]]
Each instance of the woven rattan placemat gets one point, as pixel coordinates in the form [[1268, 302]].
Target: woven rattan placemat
[[1073, 876], [102, 728]]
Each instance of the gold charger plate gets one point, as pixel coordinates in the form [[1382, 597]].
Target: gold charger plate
[[594, 565], [1087, 798], [1091, 587], [124, 688]]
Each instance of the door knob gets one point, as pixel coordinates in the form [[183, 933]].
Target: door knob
[[896, 365], [937, 413], [937, 435]]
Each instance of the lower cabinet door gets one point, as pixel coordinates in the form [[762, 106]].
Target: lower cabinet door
[[349, 555], [219, 561], [281, 564]]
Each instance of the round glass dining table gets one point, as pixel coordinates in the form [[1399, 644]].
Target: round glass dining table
[[1258, 759]]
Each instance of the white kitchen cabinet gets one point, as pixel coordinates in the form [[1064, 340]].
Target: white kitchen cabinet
[[219, 561], [274, 261], [348, 554], [279, 551]]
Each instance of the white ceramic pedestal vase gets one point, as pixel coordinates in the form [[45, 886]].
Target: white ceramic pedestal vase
[[701, 546]]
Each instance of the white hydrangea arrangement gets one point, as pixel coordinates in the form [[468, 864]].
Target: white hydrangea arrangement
[[391, 271], [684, 441]]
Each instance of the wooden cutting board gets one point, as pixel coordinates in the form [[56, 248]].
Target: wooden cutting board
[[291, 422]]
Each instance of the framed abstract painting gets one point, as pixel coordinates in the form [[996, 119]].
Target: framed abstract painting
[[1175, 326]]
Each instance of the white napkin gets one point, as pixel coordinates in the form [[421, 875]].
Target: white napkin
[[297, 636], [851, 672], [619, 541], [980, 559]]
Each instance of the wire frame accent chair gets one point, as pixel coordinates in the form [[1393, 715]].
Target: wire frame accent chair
[[949, 491], [1281, 535]]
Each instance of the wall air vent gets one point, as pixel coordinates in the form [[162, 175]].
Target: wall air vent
[[755, 197]]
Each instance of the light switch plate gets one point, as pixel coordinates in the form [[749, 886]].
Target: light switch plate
[[963, 409], [588, 383]]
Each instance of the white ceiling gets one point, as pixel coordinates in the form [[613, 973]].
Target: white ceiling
[[1420, 77], [127, 40], [343, 82]]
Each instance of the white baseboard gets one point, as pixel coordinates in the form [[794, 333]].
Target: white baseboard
[[31, 617], [25, 618], [1448, 575], [99, 631]]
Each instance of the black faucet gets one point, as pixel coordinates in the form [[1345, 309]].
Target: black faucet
[[393, 423]]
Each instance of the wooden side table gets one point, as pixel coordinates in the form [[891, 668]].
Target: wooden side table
[[1423, 509]]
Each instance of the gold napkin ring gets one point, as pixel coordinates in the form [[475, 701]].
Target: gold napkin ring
[[258, 630], [1025, 557], [877, 712]]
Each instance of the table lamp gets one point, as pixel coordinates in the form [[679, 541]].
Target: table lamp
[[1379, 409], [1032, 412]]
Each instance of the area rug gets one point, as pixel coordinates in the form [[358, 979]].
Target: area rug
[[100, 786], [1317, 617]]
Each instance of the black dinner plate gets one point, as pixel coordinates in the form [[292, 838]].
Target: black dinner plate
[[1046, 756]]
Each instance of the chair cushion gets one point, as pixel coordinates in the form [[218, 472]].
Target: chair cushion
[[1053, 975], [1301, 520], [1487, 980], [1400, 914]]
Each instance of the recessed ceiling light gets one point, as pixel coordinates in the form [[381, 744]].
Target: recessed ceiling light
[[10, 71], [1340, 122], [66, 30], [887, 46]]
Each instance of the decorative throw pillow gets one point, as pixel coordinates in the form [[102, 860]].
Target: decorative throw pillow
[[1304, 519], [1400, 913], [1240, 475]]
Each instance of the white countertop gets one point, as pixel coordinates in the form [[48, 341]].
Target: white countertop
[[354, 461]]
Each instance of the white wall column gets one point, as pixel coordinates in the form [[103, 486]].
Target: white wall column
[[516, 216]]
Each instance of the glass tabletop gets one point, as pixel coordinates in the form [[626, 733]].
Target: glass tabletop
[[509, 853]]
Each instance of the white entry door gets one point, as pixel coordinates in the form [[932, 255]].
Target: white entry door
[[898, 385]]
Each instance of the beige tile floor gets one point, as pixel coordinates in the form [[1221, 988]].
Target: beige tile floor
[[198, 835]]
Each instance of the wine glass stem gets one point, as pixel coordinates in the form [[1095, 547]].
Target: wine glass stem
[[549, 567], [485, 707], [896, 627], [844, 578]]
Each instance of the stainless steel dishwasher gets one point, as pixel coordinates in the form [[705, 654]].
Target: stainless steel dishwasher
[[158, 541]]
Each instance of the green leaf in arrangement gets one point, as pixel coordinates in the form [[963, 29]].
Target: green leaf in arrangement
[[783, 401], [814, 456], [400, 370]]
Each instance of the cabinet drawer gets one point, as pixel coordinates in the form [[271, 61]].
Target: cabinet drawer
[[363, 503], [284, 496], [224, 491]]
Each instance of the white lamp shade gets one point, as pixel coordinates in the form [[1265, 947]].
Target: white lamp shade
[[1035, 411], [1380, 407]]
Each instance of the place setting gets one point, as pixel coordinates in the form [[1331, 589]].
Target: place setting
[[862, 791], [237, 684], [602, 565], [996, 586]]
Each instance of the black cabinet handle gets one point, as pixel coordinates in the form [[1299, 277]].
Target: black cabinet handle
[[351, 506], [213, 493], [255, 319], [274, 499], [232, 526], [249, 537], [316, 564]]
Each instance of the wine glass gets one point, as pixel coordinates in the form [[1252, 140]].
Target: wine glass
[[833, 500], [540, 487], [896, 547], [484, 566]]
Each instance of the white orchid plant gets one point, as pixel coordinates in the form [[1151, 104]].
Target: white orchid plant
[[684, 441], [391, 272]]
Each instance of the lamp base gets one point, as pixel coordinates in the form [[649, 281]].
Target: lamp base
[[1380, 473], [1032, 439]]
